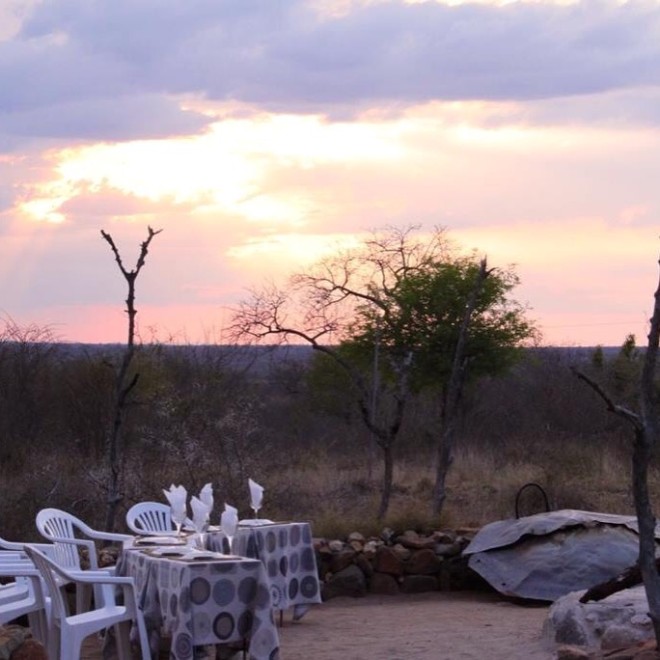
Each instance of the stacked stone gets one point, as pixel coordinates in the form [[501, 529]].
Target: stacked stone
[[16, 643], [395, 563]]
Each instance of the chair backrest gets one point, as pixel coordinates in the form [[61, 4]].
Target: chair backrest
[[149, 518], [60, 528], [54, 576]]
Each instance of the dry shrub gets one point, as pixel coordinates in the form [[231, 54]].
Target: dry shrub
[[332, 489]]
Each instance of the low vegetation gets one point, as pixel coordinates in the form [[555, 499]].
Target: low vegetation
[[223, 414]]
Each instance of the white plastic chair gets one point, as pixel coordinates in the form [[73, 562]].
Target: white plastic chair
[[19, 588], [150, 519], [61, 527], [66, 632], [12, 552], [64, 530], [28, 597]]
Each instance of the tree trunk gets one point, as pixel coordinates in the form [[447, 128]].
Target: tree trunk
[[646, 437], [114, 445], [444, 460], [388, 477], [646, 523], [645, 426], [123, 386], [453, 392]]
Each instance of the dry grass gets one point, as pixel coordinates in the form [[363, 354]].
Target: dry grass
[[336, 493], [339, 497]]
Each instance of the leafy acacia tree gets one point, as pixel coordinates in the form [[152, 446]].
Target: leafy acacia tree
[[429, 314], [455, 317]]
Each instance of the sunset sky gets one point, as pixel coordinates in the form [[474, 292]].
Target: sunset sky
[[260, 135]]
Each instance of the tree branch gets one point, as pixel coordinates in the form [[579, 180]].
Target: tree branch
[[615, 408]]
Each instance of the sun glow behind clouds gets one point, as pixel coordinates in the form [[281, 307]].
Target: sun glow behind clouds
[[302, 249], [223, 170]]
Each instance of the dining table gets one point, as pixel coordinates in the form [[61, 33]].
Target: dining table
[[286, 552], [201, 598]]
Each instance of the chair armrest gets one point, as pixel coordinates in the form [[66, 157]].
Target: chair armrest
[[84, 543], [65, 539], [11, 545], [99, 577], [24, 569], [97, 574], [11, 555], [108, 536]]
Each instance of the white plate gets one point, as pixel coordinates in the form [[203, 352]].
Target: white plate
[[255, 522], [204, 555], [168, 552], [160, 540]]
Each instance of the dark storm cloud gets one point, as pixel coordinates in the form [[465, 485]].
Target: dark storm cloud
[[119, 118]]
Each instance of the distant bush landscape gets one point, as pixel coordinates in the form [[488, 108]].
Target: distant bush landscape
[[222, 414]]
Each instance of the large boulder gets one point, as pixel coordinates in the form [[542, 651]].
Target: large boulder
[[619, 620]]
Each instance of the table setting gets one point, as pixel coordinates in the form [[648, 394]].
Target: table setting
[[217, 584], [284, 548], [198, 595]]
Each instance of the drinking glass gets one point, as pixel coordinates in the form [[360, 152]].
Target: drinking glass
[[228, 524], [178, 518], [200, 541]]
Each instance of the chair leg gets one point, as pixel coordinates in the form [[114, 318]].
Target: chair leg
[[123, 637], [83, 598], [70, 646], [54, 642], [143, 638], [35, 625]]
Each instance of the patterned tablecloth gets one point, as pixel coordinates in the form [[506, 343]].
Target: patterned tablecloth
[[287, 553], [204, 602]]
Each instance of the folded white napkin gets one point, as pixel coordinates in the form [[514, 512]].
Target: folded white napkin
[[206, 495], [177, 496], [229, 520], [256, 495], [200, 513]]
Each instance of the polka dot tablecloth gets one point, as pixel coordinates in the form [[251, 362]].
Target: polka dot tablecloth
[[287, 553], [201, 603]]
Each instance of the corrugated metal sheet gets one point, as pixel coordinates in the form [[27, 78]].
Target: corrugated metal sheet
[[545, 556]]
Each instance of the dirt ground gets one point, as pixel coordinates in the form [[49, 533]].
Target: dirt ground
[[431, 626]]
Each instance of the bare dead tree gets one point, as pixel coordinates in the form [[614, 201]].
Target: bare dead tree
[[125, 382], [321, 307], [264, 316], [645, 428]]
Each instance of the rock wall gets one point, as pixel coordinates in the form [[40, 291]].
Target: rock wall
[[396, 563]]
